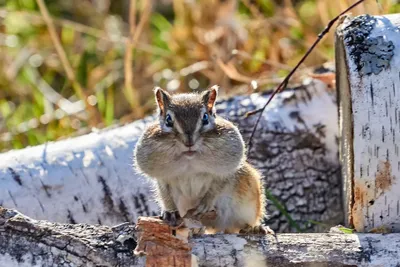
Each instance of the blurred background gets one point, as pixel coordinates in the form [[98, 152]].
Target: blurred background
[[69, 66]]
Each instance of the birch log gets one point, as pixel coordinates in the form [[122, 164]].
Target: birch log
[[89, 179], [368, 64], [28, 242]]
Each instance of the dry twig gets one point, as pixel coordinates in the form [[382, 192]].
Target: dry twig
[[88, 30], [129, 90], [94, 115], [134, 33], [230, 71]]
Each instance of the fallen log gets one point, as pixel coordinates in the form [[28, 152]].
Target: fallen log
[[89, 179], [28, 242]]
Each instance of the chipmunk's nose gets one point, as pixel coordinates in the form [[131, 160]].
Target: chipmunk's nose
[[189, 142]]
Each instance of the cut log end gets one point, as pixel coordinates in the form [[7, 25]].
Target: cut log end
[[156, 241], [164, 245]]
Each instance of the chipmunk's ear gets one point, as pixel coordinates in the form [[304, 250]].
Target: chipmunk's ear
[[162, 99], [209, 97]]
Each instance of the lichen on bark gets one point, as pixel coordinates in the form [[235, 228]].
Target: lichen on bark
[[371, 54]]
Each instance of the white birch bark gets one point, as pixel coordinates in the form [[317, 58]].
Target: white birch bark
[[28, 242], [368, 61], [89, 179]]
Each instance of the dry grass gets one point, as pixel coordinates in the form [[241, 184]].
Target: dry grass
[[95, 63]]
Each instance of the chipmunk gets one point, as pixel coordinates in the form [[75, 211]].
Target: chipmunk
[[198, 162]]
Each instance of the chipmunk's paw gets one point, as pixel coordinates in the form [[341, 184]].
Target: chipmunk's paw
[[257, 230], [203, 208], [197, 231], [172, 218]]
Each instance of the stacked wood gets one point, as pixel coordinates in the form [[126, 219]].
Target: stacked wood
[[90, 178]]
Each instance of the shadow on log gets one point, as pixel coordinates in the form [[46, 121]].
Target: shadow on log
[[28, 242]]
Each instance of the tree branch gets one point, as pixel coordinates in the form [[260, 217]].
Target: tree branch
[[282, 86]]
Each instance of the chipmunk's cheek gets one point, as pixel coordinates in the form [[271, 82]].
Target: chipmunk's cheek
[[180, 147], [177, 157], [198, 144]]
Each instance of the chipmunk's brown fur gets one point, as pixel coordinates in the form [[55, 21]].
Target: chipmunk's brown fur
[[197, 160]]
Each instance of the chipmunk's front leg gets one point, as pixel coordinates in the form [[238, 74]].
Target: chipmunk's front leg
[[207, 203], [170, 213]]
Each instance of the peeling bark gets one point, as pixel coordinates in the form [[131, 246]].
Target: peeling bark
[[89, 179], [28, 242], [368, 60]]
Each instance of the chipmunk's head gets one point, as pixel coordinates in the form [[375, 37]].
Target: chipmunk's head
[[187, 116], [189, 138]]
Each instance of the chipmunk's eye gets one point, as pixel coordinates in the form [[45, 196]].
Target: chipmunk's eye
[[168, 121], [205, 119]]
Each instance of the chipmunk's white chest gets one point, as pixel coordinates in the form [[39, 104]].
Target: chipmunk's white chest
[[186, 168], [187, 191]]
